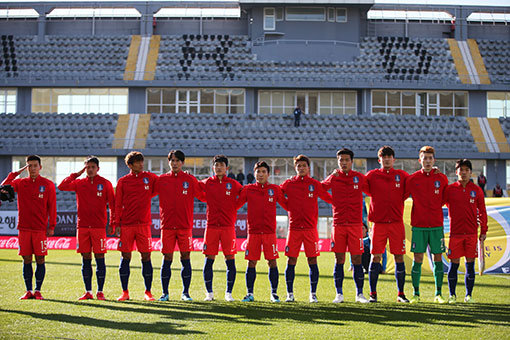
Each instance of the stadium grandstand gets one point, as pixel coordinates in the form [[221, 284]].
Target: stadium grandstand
[[210, 77]]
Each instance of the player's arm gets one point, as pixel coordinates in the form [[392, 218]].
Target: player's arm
[[482, 214], [324, 195], [154, 179], [281, 199], [365, 187], [52, 208], [407, 187], [198, 189], [111, 205], [69, 184], [243, 197], [118, 206], [201, 187], [326, 184], [11, 178]]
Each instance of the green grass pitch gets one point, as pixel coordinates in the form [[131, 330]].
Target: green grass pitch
[[61, 316]]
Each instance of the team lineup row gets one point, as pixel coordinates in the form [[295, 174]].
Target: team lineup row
[[130, 219]]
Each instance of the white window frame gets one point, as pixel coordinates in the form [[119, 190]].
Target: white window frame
[[317, 20], [4, 92], [280, 14], [336, 16], [269, 16], [331, 14]]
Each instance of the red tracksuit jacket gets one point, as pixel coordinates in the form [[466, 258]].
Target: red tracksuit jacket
[[133, 199], [221, 196], [302, 194], [261, 200], [466, 208], [37, 201], [347, 192], [387, 190], [176, 199], [427, 190], [92, 197]]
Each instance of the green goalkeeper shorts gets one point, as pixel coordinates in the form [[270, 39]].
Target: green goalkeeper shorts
[[423, 237]]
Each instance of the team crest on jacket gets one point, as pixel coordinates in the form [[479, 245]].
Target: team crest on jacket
[[472, 193], [311, 188], [270, 192], [397, 180], [355, 179], [437, 184], [185, 185], [146, 180], [229, 186], [99, 187], [42, 188]]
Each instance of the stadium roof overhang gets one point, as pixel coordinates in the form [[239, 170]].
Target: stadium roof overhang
[[310, 2]]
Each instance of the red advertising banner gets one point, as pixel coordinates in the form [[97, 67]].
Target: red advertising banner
[[11, 242]]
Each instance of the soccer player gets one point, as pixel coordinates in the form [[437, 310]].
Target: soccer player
[[176, 190], [221, 194], [37, 205], [133, 220], [93, 195], [427, 186], [466, 209], [347, 187], [262, 197], [386, 187], [302, 193]]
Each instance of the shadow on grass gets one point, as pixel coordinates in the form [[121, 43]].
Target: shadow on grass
[[460, 315], [155, 327]]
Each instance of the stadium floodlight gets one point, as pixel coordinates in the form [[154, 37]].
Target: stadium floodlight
[[488, 17], [21, 13], [198, 12], [94, 12], [409, 15]]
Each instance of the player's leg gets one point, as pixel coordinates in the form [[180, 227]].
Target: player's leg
[[185, 246], [455, 252], [144, 245], [100, 274], [252, 254], [292, 247], [86, 273], [127, 239], [229, 246], [338, 275], [470, 253], [437, 248], [311, 245], [398, 249], [98, 238], [40, 251], [210, 250], [26, 251], [271, 255], [168, 245], [380, 238], [186, 275], [273, 279], [356, 249], [418, 247]]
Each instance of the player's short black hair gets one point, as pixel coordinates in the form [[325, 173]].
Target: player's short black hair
[[262, 164], [133, 156], [92, 159], [345, 151], [463, 162], [301, 158], [178, 154], [385, 151], [33, 158], [220, 159]]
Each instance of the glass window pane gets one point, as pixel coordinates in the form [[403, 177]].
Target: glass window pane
[[169, 96], [408, 99], [393, 98], [446, 112], [221, 97], [338, 99], [461, 99], [207, 96], [153, 109], [277, 99], [445, 99], [324, 99], [350, 99], [306, 13], [378, 98], [341, 15]]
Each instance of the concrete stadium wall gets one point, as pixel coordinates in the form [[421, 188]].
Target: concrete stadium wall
[[414, 30], [192, 26], [84, 27], [489, 31], [18, 27]]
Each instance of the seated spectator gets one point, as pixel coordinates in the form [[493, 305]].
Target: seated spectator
[[498, 191]]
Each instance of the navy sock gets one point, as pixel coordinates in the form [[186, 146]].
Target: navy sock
[[314, 277], [166, 273], [40, 271], [273, 278], [100, 273], [231, 274], [373, 275], [186, 275], [359, 277], [86, 273], [338, 275], [400, 275], [289, 277], [452, 277], [208, 274], [469, 278], [147, 274], [28, 272], [124, 272], [251, 274]]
